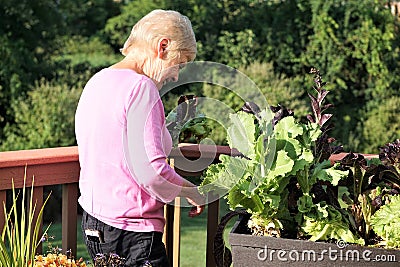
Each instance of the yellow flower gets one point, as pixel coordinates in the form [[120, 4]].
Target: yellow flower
[[62, 259], [57, 260]]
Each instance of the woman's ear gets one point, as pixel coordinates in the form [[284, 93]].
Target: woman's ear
[[163, 48]]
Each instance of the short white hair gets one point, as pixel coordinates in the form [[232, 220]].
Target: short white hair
[[164, 23]]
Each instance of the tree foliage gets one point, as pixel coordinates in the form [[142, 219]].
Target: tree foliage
[[87, 18], [26, 30], [118, 28], [44, 119], [38, 42], [355, 44], [382, 123]]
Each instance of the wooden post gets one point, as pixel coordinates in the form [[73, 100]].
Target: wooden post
[[168, 237], [3, 198], [37, 199], [69, 217], [172, 231], [177, 233], [212, 224], [176, 227]]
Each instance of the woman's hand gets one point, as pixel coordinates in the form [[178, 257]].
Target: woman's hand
[[192, 195]]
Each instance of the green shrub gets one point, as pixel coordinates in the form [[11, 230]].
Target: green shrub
[[44, 119], [380, 125], [77, 58]]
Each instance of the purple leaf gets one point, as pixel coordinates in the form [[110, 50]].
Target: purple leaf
[[325, 107], [322, 95], [324, 118], [310, 118]]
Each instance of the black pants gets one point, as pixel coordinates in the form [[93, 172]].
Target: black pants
[[137, 248]]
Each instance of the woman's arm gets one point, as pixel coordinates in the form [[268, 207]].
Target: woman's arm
[[145, 151]]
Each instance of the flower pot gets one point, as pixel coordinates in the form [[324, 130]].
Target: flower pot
[[249, 250]]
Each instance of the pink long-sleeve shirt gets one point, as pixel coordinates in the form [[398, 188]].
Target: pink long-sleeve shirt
[[123, 146]]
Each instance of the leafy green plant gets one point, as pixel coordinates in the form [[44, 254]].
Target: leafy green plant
[[366, 187], [386, 223], [283, 179], [185, 123], [20, 236], [370, 184], [285, 185]]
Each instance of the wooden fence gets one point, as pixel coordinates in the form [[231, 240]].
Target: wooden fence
[[60, 166]]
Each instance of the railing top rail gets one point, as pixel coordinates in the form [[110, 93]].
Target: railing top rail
[[204, 151], [38, 156], [70, 154]]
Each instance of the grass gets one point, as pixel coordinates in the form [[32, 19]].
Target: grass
[[193, 238], [55, 241]]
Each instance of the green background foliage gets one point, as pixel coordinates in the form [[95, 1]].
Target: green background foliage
[[44, 119], [49, 49]]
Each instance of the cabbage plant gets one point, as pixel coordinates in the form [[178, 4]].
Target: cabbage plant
[[284, 178]]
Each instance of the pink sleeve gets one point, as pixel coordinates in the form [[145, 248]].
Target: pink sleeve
[[145, 144]]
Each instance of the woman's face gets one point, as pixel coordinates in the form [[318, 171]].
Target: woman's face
[[164, 64], [167, 71]]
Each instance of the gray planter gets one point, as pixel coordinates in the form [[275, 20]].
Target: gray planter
[[248, 250]]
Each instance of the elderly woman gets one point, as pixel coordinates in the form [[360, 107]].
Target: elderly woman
[[123, 144]]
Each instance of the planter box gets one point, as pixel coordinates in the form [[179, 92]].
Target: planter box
[[248, 250]]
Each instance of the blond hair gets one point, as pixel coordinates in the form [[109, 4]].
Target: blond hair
[[163, 23]]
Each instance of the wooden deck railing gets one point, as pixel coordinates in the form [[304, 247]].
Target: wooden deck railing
[[60, 166], [51, 166]]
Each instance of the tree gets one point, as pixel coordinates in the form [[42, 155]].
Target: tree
[[44, 119], [31, 46], [353, 43], [26, 32], [87, 18], [118, 28], [381, 125]]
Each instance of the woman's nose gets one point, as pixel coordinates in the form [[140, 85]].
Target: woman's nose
[[175, 77]]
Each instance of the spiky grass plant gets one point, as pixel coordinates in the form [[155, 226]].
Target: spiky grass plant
[[20, 236]]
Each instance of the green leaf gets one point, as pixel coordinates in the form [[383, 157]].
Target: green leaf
[[305, 203], [291, 146], [282, 166], [325, 172], [20, 235], [386, 223], [336, 175], [241, 134], [240, 199], [311, 133], [265, 121], [260, 149], [273, 201], [344, 197], [287, 128], [236, 198], [307, 155], [324, 222], [223, 176], [302, 161]]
